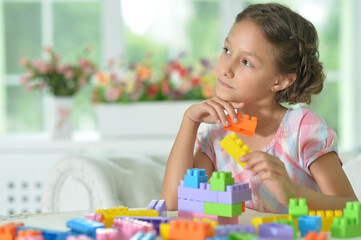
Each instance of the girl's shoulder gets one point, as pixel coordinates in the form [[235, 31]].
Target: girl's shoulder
[[301, 116]]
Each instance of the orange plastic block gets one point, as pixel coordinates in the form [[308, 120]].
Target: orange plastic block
[[243, 206], [234, 147], [27, 233], [8, 231], [326, 217], [311, 235], [111, 213], [183, 230], [246, 125]]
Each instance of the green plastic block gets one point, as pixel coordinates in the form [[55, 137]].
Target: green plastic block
[[297, 209], [220, 181], [349, 225], [224, 210], [289, 223], [241, 236]]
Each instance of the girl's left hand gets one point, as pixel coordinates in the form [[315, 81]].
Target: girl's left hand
[[272, 173]]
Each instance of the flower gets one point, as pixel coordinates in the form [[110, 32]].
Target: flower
[[142, 81], [60, 79]]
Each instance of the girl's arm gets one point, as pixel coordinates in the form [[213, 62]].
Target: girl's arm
[[333, 183]]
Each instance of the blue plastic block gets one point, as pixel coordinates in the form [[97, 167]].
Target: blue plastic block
[[218, 238], [224, 230], [143, 236], [84, 226], [155, 220], [309, 223], [47, 234], [275, 231], [194, 177]]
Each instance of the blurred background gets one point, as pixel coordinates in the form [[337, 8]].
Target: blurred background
[[182, 35]]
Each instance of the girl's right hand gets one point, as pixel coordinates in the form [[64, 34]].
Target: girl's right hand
[[212, 111]]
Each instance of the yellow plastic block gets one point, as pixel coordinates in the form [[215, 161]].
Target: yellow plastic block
[[111, 213], [164, 229], [260, 220], [234, 146], [326, 217]]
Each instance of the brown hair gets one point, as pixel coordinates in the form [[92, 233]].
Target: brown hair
[[296, 48]]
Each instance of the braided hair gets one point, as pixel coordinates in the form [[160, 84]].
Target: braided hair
[[295, 50]]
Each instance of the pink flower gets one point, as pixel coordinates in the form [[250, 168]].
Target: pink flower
[[113, 94], [69, 74], [23, 61], [49, 68], [37, 63], [59, 69], [42, 69], [29, 73], [47, 49], [82, 62], [24, 80], [86, 69]]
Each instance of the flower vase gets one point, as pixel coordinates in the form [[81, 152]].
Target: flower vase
[[58, 116]]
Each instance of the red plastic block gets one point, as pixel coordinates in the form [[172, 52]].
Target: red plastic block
[[221, 220], [8, 231], [246, 125], [182, 230]]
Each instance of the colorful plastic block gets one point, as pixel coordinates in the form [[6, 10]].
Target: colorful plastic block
[[241, 236], [220, 181], [143, 236], [309, 223], [316, 236], [225, 210], [111, 213], [29, 234], [218, 238], [234, 147], [78, 237], [246, 125], [290, 223], [194, 177], [224, 230], [180, 229], [203, 193], [260, 220], [156, 221], [190, 206], [297, 209], [84, 226], [8, 231], [94, 216], [221, 220], [107, 234], [164, 229], [275, 231], [158, 205], [127, 227], [47, 234], [350, 224], [327, 217]]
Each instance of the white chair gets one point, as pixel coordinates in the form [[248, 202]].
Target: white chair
[[84, 183]]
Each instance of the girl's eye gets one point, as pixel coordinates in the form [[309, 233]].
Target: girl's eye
[[226, 51], [247, 63]]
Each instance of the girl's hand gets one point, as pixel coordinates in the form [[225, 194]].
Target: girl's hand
[[272, 173], [212, 111]]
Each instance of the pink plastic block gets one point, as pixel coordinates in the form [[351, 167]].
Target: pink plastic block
[[236, 193], [98, 217], [219, 219], [34, 237], [107, 234], [203, 193], [128, 227], [79, 237], [190, 206]]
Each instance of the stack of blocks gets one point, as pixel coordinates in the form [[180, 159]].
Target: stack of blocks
[[221, 197], [349, 225]]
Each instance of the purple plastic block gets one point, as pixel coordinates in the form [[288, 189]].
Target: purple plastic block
[[224, 230], [203, 193], [190, 206], [275, 230], [152, 204], [309, 223], [194, 177], [236, 193], [158, 205]]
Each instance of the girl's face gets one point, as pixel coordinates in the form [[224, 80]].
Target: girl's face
[[245, 70]]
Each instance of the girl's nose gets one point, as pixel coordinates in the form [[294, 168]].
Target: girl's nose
[[227, 70]]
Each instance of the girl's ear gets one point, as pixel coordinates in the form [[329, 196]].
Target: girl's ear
[[283, 81]]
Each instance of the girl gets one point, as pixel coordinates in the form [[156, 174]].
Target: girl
[[270, 57]]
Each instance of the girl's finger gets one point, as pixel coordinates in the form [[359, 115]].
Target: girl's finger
[[212, 112], [229, 108], [220, 111]]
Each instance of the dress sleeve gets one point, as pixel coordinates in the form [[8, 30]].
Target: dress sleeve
[[204, 142], [316, 138]]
